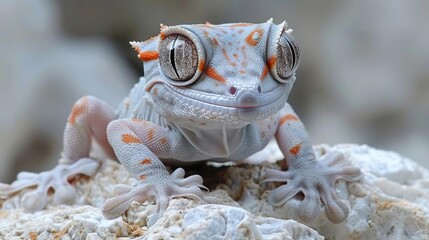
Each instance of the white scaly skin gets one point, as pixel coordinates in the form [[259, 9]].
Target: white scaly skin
[[210, 92]]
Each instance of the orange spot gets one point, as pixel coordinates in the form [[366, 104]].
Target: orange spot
[[146, 161], [150, 134], [155, 91], [295, 149], [243, 51], [201, 65], [128, 138], [211, 72], [287, 118], [264, 73], [162, 35], [242, 71], [80, 107], [225, 55], [240, 24], [235, 55], [215, 42], [271, 61], [240, 31], [143, 177], [148, 55], [163, 141], [253, 38]]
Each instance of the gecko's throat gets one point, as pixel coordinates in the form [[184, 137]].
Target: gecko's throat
[[246, 106]]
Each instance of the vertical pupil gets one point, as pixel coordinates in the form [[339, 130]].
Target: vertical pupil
[[293, 52], [172, 57]]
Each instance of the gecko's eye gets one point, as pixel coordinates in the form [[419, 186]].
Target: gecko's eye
[[178, 57], [288, 57]]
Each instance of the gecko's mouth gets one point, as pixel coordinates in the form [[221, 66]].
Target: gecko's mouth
[[224, 101], [242, 106]]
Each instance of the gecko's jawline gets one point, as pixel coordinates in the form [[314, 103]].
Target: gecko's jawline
[[270, 98]]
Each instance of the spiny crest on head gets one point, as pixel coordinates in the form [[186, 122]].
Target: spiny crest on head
[[136, 45], [162, 27], [144, 53]]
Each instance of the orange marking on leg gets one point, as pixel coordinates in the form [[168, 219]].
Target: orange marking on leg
[[143, 177], [264, 73], [80, 107], [295, 149], [148, 55], [129, 138], [163, 141], [287, 118], [253, 38], [211, 72], [201, 65], [150, 134], [146, 161]]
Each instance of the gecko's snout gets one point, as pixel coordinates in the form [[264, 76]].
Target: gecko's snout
[[248, 99], [248, 102]]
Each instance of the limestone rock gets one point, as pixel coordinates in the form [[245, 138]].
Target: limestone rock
[[391, 202]]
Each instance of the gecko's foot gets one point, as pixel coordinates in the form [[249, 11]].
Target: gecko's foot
[[163, 190], [58, 179], [316, 182]]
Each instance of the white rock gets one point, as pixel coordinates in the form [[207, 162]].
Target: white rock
[[391, 202]]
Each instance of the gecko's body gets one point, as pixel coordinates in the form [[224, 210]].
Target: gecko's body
[[209, 92]]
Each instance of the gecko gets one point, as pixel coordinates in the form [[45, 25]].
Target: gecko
[[208, 93]]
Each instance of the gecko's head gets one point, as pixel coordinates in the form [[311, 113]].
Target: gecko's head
[[216, 74]]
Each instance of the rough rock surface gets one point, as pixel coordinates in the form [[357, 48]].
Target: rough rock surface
[[391, 202]]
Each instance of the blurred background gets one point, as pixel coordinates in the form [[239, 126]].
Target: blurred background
[[364, 75]]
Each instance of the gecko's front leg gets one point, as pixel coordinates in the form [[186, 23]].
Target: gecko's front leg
[[138, 144], [88, 120], [315, 178]]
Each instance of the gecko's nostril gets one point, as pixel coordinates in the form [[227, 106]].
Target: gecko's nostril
[[259, 89], [232, 90]]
